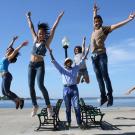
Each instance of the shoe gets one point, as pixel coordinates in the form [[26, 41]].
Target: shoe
[[17, 104], [34, 111], [110, 101], [50, 112], [83, 80], [103, 101], [21, 103], [80, 126]]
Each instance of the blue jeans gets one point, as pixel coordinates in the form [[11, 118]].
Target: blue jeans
[[6, 83], [37, 68], [101, 70], [70, 94]]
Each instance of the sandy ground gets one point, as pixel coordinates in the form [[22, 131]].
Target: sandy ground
[[117, 121]]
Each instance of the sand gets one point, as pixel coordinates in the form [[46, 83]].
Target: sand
[[118, 121]]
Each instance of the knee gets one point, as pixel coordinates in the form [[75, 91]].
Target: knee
[[106, 76], [68, 109], [87, 80], [31, 85], [77, 108], [42, 87], [76, 105]]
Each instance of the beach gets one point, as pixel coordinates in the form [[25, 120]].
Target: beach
[[117, 121]]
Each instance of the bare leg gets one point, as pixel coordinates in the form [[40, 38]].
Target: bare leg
[[78, 79], [86, 78]]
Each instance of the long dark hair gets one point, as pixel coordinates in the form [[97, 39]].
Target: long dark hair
[[13, 60], [46, 28]]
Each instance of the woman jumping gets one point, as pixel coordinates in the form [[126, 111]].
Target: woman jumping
[[10, 57]]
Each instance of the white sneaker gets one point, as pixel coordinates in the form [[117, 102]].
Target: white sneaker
[[34, 111], [50, 112]]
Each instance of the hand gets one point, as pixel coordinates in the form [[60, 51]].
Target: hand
[[28, 15], [95, 8], [132, 16], [24, 43], [61, 14], [84, 38], [15, 38]]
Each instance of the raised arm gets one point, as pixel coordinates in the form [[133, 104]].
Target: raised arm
[[95, 9], [56, 64], [130, 18], [129, 91], [83, 46], [53, 29], [13, 54], [87, 52], [12, 42], [31, 26]]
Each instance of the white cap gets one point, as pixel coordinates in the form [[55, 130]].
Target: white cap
[[68, 59]]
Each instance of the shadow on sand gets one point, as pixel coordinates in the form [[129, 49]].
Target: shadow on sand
[[127, 133]]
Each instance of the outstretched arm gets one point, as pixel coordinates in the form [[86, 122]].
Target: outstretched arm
[[129, 91], [11, 56], [56, 64], [12, 42], [31, 26], [83, 46], [53, 29], [130, 18]]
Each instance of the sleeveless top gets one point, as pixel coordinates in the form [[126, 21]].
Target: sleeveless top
[[4, 63], [39, 48]]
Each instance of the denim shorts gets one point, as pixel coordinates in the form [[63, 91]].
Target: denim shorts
[[83, 72]]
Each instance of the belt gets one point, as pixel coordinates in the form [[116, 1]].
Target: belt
[[94, 55], [69, 85], [97, 54]]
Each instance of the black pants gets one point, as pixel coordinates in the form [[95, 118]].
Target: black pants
[[6, 83]]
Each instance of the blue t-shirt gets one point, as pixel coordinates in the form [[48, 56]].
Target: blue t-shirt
[[4, 63]]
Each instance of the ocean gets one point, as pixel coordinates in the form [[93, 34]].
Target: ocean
[[118, 102]]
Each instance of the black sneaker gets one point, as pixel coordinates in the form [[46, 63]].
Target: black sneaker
[[22, 104], [17, 104], [103, 101], [83, 80], [110, 101], [81, 126]]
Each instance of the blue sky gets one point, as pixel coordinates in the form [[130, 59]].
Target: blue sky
[[76, 23]]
